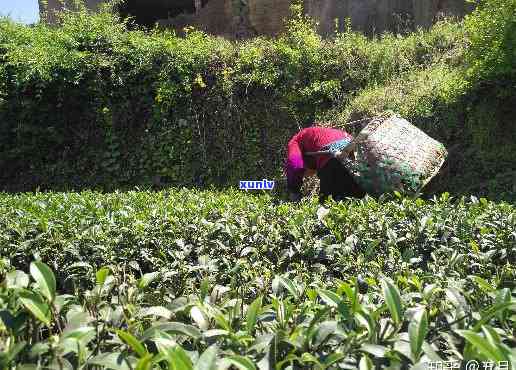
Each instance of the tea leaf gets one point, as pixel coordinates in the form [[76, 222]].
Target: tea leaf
[[199, 318], [365, 363], [178, 359], [393, 300], [159, 311], [240, 362], [101, 275], [208, 360], [252, 313], [45, 279], [78, 333], [113, 361], [145, 363], [146, 279], [330, 298], [16, 279], [483, 346], [36, 306], [173, 328], [289, 285], [133, 343], [418, 329]]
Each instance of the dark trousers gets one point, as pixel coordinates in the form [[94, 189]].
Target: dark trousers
[[335, 180]]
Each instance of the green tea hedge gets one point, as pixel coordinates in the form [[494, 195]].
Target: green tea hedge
[[173, 228], [180, 279]]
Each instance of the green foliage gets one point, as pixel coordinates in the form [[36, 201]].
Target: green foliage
[[91, 104], [474, 124], [465, 99], [491, 31], [205, 280], [417, 96], [184, 279]]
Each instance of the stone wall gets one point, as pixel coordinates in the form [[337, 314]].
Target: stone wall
[[52, 6], [247, 18], [215, 17], [374, 16]]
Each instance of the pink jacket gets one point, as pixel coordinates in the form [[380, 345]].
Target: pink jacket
[[310, 139]]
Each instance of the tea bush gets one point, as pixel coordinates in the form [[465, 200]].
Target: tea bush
[[183, 280]]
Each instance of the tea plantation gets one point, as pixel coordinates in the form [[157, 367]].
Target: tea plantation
[[96, 273], [183, 279]]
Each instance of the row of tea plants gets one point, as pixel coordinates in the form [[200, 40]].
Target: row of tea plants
[[184, 279]]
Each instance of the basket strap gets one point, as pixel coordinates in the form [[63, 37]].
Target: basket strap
[[321, 152], [344, 153]]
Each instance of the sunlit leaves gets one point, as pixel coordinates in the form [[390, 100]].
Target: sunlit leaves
[[178, 359], [199, 318], [393, 300], [235, 288], [45, 279], [286, 283], [111, 361], [16, 279], [146, 279], [329, 297], [418, 329], [102, 275], [173, 328], [34, 304], [208, 359], [365, 363], [252, 314], [133, 343], [488, 347]]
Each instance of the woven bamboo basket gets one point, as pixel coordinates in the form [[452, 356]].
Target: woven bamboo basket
[[392, 154]]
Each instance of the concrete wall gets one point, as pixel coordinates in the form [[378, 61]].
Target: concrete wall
[[247, 18]]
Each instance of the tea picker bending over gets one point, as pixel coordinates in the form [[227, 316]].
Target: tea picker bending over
[[335, 180]]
